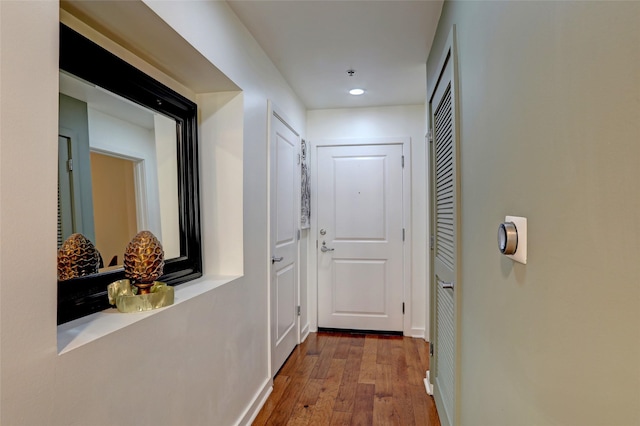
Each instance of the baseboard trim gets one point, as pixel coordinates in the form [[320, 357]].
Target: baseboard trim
[[304, 333], [417, 333], [257, 403], [427, 384]]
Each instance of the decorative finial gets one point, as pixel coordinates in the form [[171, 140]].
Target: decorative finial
[[77, 257], [143, 261]]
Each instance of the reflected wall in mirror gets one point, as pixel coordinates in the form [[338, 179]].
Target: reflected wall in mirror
[[132, 170], [127, 162]]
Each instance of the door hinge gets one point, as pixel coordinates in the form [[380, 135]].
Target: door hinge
[[402, 234], [70, 165], [430, 136], [298, 235], [298, 310], [430, 348], [431, 242], [402, 308], [316, 244], [298, 158], [403, 161]]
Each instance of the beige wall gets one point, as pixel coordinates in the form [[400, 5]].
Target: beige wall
[[200, 362], [114, 205], [550, 119]]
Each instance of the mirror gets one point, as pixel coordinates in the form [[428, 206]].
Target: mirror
[[130, 172], [127, 162]]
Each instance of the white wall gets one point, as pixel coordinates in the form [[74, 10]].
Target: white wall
[[166, 154], [396, 121], [549, 118], [221, 120], [199, 362]]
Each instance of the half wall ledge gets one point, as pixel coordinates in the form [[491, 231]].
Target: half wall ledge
[[82, 331]]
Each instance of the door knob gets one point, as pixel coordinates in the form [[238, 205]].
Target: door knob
[[324, 247], [276, 259], [446, 284]]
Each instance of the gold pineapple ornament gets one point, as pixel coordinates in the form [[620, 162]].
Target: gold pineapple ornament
[[77, 257], [143, 265], [143, 261]]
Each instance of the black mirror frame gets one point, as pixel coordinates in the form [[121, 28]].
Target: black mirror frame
[[81, 57]]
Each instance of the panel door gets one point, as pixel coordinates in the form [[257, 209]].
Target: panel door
[[285, 217], [360, 237]]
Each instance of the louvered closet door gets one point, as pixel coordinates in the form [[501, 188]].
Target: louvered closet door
[[444, 208]]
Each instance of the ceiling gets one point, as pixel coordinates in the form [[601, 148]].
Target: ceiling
[[314, 42]]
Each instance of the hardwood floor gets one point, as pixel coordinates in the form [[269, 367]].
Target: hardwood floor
[[352, 379]]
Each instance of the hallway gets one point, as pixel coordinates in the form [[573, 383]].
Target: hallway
[[352, 379]]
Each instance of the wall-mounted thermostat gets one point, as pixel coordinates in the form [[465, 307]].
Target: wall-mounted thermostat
[[512, 238], [507, 238]]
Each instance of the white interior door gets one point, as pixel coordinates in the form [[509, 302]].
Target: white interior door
[[360, 237], [285, 219]]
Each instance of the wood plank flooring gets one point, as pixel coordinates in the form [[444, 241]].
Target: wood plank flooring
[[352, 379]]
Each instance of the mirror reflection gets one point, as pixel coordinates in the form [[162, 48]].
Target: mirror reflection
[[117, 171]]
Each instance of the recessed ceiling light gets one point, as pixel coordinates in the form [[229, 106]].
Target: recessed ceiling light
[[356, 92]]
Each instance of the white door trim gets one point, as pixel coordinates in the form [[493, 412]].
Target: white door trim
[[405, 141]]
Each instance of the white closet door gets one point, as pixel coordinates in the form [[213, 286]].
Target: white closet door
[[444, 255]]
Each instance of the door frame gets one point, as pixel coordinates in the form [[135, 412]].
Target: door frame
[[273, 112], [405, 141]]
